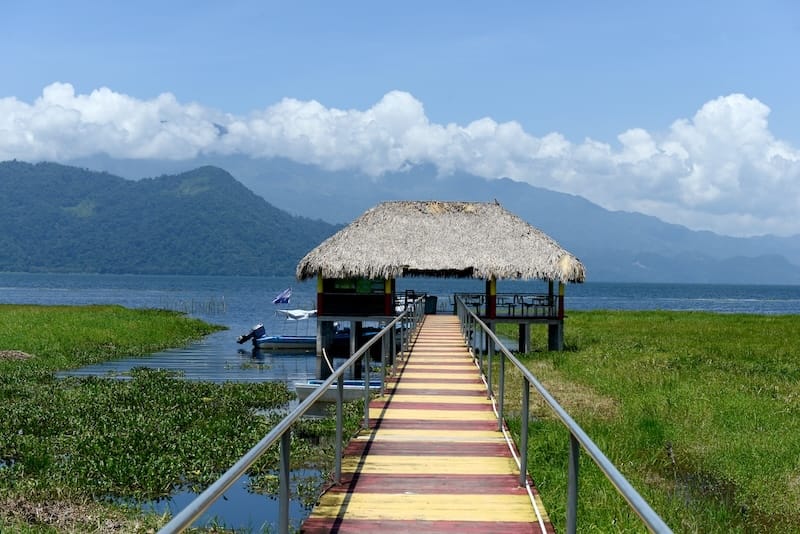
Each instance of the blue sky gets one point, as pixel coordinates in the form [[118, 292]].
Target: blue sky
[[619, 101]]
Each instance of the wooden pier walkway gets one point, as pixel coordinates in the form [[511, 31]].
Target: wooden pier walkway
[[432, 459]]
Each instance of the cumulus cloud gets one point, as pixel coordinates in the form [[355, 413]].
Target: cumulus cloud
[[720, 169]]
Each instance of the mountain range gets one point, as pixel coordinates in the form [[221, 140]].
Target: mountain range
[[277, 210], [56, 218]]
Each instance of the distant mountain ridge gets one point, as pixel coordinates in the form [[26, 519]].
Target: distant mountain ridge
[[56, 218], [614, 246]]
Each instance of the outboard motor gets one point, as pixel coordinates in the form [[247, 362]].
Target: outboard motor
[[257, 331]]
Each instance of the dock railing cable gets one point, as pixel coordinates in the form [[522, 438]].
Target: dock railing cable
[[407, 322], [477, 333]]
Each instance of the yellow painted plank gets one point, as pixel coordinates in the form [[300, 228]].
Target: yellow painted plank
[[408, 373], [446, 399], [477, 387], [437, 415], [426, 507], [431, 359], [429, 465]]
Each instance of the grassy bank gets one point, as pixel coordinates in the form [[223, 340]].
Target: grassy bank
[[701, 412], [71, 448]]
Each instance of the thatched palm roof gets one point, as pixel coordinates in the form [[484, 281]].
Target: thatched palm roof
[[451, 239]]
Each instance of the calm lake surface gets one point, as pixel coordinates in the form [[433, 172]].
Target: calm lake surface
[[241, 302]]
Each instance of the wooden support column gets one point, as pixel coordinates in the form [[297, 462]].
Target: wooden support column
[[388, 297], [524, 338], [355, 332], [555, 330], [320, 304], [491, 298], [325, 336]]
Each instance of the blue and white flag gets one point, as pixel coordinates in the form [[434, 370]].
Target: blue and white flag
[[283, 297]]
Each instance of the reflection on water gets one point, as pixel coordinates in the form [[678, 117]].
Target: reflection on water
[[237, 508], [205, 360]]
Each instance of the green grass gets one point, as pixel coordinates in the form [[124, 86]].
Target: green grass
[[71, 449], [700, 411]]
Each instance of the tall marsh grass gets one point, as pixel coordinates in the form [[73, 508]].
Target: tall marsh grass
[[700, 411]]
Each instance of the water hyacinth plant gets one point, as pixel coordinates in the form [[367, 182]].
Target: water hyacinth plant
[[75, 448]]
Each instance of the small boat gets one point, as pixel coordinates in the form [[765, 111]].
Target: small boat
[[297, 342], [300, 342], [353, 389]]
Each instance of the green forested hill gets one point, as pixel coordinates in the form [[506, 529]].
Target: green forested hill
[[55, 218]]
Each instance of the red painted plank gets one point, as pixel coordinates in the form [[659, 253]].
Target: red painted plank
[[442, 375], [415, 483], [398, 404], [410, 379], [432, 391], [408, 424]]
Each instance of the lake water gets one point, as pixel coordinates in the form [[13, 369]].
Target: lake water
[[240, 302]]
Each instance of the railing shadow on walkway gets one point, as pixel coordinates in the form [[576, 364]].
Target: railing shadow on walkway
[[403, 326], [474, 328]]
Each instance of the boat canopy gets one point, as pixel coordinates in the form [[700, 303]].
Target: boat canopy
[[297, 314]]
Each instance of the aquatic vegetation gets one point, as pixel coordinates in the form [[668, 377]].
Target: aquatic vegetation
[[96, 441]]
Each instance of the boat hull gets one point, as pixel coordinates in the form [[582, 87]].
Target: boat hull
[[290, 343], [352, 390]]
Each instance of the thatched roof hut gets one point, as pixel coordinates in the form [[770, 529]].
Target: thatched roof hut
[[446, 239]]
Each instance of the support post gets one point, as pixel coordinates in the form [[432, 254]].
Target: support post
[[523, 433], [337, 467], [524, 337], [283, 482], [501, 392], [555, 336], [572, 484], [491, 298], [325, 336], [490, 354], [357, 368], [366, 389], [555, 331]]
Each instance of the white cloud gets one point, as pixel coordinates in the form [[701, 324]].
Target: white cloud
[[721, 169]]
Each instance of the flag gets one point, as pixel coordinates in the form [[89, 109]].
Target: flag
[[283, 297]]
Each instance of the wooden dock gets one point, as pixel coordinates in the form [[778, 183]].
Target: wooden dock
[[433, 459]]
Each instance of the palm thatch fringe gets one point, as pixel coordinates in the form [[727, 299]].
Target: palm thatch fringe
[[432, 238]]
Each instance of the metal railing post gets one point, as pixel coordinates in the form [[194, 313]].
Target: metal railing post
[[337, 465], [366, 388], [393, 337], [523, 433], [402, 338], [501, 391], [572, 484], [384, 358], [489, 353], [283, 477], [480, 357]]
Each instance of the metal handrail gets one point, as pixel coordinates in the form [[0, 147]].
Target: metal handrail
[[281, 431], [578, 438]]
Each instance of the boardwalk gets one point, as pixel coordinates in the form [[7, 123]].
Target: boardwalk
[[433, 459]]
